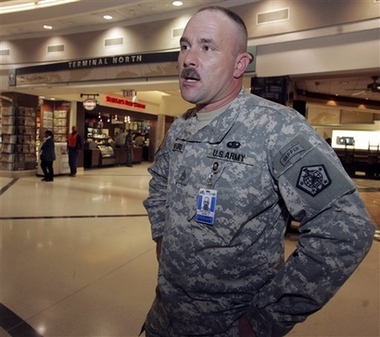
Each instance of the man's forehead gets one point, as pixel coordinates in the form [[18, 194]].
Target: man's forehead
[[206, 30]]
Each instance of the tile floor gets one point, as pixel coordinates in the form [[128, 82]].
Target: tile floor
[[77, 260]]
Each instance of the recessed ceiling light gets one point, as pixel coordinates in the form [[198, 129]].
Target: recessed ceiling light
[[107, 17], [48, 27], [177, 3]]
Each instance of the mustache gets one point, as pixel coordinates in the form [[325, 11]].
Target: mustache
[[190, 73]]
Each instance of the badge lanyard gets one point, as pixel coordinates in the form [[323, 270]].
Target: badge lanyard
[[206, 201]]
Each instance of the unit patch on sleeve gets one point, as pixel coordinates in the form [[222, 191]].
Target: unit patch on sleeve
[[313, 179], [315, 176]]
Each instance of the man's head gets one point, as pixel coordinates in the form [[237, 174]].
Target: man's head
[[213, 58], [74, 129], [48, 133]]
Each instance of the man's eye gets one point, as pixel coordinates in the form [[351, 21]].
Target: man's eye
[[184, 47]]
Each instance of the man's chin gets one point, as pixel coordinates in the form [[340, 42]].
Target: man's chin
[[188, 97]]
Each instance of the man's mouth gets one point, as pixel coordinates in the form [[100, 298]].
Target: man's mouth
[[190, 74]]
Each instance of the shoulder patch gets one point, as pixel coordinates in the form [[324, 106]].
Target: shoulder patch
[[291, 152], [313, 179], [310, 174]]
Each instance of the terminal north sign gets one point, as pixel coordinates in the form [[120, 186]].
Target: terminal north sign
[[105, 61], [124, 102], [98, 62], [119, 67], [111, 68]]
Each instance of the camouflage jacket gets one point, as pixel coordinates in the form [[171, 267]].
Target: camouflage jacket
[[269, 162]]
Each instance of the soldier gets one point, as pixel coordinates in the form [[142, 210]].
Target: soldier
[[224, 275]]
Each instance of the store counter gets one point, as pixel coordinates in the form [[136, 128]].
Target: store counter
[[100, 156], [121, 155]]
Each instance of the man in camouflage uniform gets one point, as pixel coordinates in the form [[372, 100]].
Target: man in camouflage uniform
[[222, 272]]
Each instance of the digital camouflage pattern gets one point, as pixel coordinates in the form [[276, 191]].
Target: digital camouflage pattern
[[267, 161]]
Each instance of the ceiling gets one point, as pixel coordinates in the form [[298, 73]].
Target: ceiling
[[89, 16], [354, 86]]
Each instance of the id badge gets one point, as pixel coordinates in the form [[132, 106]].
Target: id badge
[[206, 204]]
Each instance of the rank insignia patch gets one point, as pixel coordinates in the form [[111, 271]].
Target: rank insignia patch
[[183, 175], [313, 179]]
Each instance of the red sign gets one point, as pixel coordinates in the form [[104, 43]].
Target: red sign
[[124, 102]]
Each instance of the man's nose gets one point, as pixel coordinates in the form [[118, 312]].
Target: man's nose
[[191, 58]]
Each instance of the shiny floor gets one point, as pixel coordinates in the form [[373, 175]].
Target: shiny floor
[[77, 260]]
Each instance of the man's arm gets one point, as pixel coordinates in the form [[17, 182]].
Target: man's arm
[[155, 204], [336, 233], [158, 248], [330, 248]]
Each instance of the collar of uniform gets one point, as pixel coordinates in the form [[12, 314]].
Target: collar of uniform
[[215, 131]]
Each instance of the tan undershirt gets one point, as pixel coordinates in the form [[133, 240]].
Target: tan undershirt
[[204, 118]]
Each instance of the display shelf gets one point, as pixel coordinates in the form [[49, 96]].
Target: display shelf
[[54, 116], [9, 138], [98, 136], [106, 151], [60, 125], [18, 131], [97, 155]]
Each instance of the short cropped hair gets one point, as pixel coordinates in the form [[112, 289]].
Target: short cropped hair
[[231, 15]]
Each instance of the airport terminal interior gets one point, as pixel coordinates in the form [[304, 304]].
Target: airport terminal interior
[[76, 254], [77, 260]]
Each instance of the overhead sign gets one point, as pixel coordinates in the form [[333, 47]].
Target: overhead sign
[[128, 93], [99, 62], [90, 104], [120, 67], [124, 102]]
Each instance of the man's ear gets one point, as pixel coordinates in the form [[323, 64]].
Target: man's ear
[[242, 62]]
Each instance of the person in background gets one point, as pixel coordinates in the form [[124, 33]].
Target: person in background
[[120, 139], [74, 146], [139, 140], [47, 156], [129, 148], [224, 275]]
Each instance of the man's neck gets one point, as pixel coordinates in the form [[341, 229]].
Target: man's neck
[[204, 108]]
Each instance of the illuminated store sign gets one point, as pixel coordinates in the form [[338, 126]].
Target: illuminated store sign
[[124, 102], [89, 104]]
